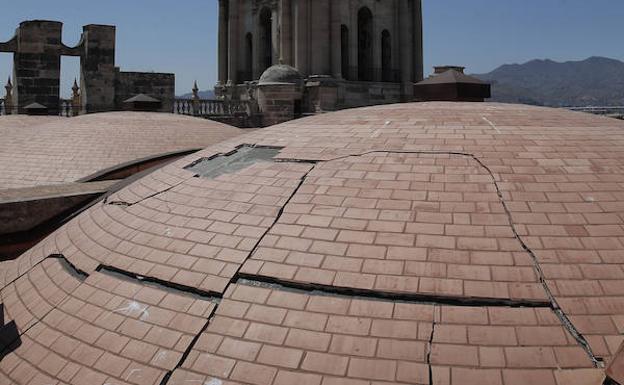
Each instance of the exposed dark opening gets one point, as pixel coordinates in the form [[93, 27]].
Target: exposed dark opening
[[248, 75], [386, 56], [298, 110], [266, 40], [344, 51], [365, 44], [9, 335], [236, 160]]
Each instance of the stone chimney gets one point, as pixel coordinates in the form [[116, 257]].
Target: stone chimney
[[442, 69]]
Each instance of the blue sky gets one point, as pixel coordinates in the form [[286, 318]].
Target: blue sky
[[180, 37]]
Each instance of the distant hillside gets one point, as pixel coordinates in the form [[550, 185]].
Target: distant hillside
[[596, 81], [202, 95]]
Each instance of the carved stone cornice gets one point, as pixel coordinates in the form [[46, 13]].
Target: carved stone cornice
[[259, 4]]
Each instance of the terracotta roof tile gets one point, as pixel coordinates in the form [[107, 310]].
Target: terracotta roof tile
[[477, 242]]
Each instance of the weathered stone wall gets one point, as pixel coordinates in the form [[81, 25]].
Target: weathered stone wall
[[157, 85], [322, 38], [37, 64], [37, 49], [306, 34], [97, 62], [277, 102], [359, 94]]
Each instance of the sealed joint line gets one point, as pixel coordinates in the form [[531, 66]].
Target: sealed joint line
[[295, 160], [430, 346], [129, 204], [159, 283], [190, 348], [118, 203], [275, 221], [70, 267], [379, 295], [566, 322], [218, 296]]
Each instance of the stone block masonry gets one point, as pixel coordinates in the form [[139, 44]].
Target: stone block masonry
[[157, 85], [37, 64], [37, 47]]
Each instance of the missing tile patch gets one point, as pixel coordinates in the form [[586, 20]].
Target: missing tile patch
[[243, 157]]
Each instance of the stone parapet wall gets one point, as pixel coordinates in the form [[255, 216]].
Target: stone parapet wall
[[359, 94], [37, 64], [97, 75], [157, 85], [37, 47], [277, 102]]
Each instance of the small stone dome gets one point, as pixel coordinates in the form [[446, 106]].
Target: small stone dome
[[281, 73]]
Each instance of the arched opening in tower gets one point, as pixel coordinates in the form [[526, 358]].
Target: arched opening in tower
[[70, 85], [266, 40], [344, 51], [386, 56], [365, 44]]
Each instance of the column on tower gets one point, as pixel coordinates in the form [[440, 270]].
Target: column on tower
[[406, 24], [336, 41], [275, 32], [418, 42], [223, 41], [301, 36], [286, 42], [233, 42]]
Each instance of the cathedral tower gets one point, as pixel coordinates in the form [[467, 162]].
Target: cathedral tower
[[357, 43]]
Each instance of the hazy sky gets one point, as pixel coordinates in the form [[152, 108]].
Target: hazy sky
[[181, 36]]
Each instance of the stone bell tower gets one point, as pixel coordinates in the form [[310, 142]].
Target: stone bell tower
[[371, 49]]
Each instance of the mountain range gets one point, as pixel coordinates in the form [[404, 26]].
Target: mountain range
[[596, 81]]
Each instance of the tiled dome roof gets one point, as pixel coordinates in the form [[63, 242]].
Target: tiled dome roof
[[444, 243], [281, 73]]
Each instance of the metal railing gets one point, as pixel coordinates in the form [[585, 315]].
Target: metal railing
[[210, 108]]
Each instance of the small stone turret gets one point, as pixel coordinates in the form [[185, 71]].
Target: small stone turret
[[8, 99], [280, 91]]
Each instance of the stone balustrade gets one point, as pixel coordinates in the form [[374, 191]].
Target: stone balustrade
[[210, 107]]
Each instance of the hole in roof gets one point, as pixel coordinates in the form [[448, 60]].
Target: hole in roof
[[243, 157]]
